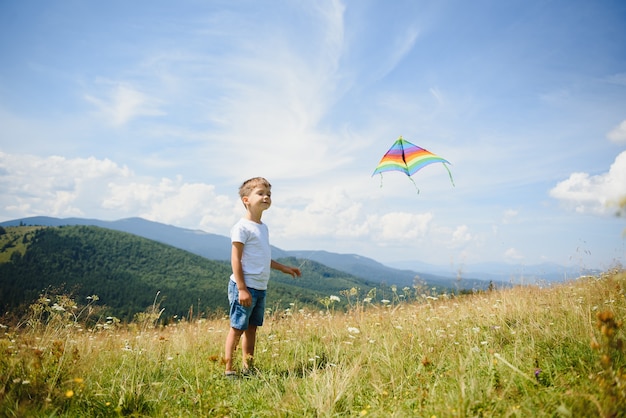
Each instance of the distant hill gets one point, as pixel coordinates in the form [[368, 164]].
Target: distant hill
[[217, 247], [211, 246], [127, 272], [375, 271]]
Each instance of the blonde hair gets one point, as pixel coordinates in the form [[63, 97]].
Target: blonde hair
[[247, 186]]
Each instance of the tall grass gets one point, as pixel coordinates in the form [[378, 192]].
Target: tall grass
[[526, 351]]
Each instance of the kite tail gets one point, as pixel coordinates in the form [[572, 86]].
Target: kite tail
[[414, 184], [450, 174]]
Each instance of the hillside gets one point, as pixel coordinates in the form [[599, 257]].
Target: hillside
[[217, 247], [127, 272]]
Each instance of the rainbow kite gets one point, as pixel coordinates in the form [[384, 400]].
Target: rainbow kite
[[408, 158]]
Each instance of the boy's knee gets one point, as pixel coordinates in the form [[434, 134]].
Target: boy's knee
[[237, 332]]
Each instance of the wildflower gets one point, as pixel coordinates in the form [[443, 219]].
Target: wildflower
[[69, 393], [385, 301], [595, 345], [79, 380], [353, 330], [334, 298], [367, 300]]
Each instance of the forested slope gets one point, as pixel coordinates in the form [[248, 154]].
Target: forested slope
[[126, 272]]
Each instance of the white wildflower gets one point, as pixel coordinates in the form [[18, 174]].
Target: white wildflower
[[353, 330]]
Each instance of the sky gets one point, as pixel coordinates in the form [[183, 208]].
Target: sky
[[160, 110]]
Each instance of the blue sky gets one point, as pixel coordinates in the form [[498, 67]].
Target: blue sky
[[160, 110]]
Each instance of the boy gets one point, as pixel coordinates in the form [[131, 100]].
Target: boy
[[251, 262]]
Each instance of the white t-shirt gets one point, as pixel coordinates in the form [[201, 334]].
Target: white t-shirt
[[257, 253]]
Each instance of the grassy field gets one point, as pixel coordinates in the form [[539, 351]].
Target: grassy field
[[520, 352]]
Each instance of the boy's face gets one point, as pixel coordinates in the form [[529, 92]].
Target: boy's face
[[260, 198]]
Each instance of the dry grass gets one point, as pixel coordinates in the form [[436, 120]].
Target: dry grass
[[526, 351]]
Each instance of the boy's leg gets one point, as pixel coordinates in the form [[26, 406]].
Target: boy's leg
[[231, 345], [248, 342]]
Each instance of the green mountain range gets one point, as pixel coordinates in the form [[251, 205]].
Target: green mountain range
[[128, 273]]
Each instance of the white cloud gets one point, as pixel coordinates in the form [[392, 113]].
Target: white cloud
[[124, 103], [53, 186], [402, 226], [618, 134], [461, 236], [89, 187], [594, 193], [509, 216], [174, 202], [513, 255]]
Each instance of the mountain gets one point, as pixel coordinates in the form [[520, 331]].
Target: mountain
[[375, 271], [211, 246], [128, 272], [217, 247], [516, 274]]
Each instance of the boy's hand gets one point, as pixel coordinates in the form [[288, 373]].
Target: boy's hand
[[293, 272], [245, 298]]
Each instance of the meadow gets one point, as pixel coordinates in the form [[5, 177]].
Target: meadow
[[553, 351]]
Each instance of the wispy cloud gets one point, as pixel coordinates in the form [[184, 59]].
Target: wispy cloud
[[618, 134], [122, 103]]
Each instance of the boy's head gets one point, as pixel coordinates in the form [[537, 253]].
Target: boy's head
[[249, 185]]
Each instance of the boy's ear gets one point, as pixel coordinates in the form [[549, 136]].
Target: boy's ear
[[245, 200]]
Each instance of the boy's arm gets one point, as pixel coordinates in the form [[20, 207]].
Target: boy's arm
[[245, 298], [292, 271]]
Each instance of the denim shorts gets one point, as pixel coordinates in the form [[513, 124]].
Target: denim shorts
[[242, 316]]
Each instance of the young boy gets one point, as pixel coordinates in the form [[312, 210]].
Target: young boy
[[251, 263]]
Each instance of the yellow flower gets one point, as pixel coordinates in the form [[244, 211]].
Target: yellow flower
[[69, 393]]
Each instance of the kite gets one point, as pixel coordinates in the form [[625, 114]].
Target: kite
[[408, 158]]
